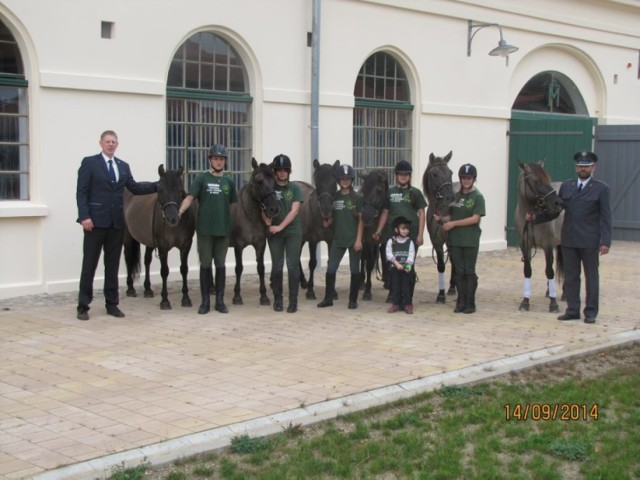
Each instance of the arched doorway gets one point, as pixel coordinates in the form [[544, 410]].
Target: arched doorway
[[549, 121]]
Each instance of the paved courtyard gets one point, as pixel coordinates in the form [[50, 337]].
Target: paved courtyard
[[77, 398]]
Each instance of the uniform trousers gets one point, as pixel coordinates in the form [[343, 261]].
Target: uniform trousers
[[573, 259]]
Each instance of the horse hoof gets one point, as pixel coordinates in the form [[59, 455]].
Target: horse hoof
[[311, 295], [451, 291], [441, 298], [265, 301], [553, 307], [524, 307], [131, 293], [367, 296], [165, 306], [148, 294], [237, 301], [187, 303]]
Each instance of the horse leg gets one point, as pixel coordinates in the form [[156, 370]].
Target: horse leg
[[148, 256], [524, 304], [452, 281], [313, 263], [237, 297], [368, 265], [165, 304], [264, 299], [551, 281], [441, 298], [184, 271]]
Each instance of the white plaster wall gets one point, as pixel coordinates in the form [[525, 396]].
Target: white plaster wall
[[81, 84]]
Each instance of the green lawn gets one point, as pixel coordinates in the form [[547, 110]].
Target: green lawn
[[576, 419]]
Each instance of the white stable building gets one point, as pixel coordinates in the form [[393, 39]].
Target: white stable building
[[368, 82]]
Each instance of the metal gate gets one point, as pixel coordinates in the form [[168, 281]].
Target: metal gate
[[618, 150], [534, 136]]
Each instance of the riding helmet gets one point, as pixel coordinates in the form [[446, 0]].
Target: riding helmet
[[400, 221], [403, 167], [281, 161], [345, 171], [468, 170], [218, 150]]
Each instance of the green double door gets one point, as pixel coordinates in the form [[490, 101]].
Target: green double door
[[556, 138]]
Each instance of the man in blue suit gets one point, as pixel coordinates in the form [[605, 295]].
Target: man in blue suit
[[586, 234], [102, 179]]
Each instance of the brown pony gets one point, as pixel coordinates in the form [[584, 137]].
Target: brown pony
[[153, 220]]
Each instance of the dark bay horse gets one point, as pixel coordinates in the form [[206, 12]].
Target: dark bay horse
[[153, 220], [316, 207], [536, 194], [374, 189], [438, 188], [247, 226]]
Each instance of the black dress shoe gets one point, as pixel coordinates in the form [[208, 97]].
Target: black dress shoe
[[115, 312], [589, 319], [82, 315], [568, 316]]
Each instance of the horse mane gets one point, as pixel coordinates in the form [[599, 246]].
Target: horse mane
[[538, 171]]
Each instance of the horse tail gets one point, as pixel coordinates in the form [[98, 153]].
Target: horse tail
[[132, 256], [559, 264]]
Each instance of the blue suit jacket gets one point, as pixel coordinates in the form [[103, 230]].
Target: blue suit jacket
[[587, 214], [101, 199]]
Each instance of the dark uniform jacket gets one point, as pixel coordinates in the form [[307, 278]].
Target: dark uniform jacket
[[99, 198], [587, 214]]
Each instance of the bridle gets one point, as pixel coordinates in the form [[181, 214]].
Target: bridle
[[540, 199]]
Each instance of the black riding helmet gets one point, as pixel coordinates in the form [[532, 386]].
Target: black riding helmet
[[345, 171], [468, 170], [281, 161], [218, 150], [403, 167]]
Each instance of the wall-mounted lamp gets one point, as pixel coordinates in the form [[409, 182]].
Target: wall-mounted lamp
[[502, 50]]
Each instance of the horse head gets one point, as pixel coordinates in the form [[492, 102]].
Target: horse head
[[170, 194], [324, 182], [535, 189], [437, 183], [375, 186], [262, 187]]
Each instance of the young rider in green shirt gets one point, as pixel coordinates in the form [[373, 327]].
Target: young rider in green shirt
[[285, 235], [346, 221], [463, 227], [215, 191]]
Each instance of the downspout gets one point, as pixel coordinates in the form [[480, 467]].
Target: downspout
[[315, 80]]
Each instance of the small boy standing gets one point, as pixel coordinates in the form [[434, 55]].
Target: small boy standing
[[401, 254]]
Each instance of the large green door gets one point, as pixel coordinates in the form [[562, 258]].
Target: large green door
[[556, 138]]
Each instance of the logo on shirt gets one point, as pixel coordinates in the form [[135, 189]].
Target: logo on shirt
[[400, 197], [226, 189], [213, 188], [288, 195]]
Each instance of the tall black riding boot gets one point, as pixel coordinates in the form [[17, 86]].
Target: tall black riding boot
[[472, 285], [276, 287], [330, 286], [205, 286], [294, 285], [354, 288], [221, 275], [461, 302]]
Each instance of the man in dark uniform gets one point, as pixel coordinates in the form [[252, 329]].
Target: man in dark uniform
[[102, 179], [586, 234]]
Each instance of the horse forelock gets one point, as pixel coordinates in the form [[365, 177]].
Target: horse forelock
[[538, 171]]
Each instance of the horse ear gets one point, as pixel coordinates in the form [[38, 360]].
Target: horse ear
[[316, 164], [524, 167], [432, 157], [161, 171], [448, 156], [336, 164], [254, 163], [541, 162]]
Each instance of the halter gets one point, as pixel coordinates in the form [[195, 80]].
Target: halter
[[540, 198]]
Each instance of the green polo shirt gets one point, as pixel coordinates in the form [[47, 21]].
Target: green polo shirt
[[465, 206], [286, 195], [214, 195], [346, 214]]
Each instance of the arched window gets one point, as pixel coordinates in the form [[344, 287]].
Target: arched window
[[382, 127], [14, 121], [551, 92], [208, 102]]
